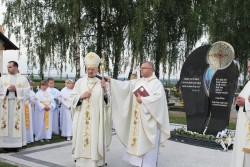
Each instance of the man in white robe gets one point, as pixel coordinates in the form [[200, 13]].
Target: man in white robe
[[88, 102], [240, 156], [14, 88], [142, 122]]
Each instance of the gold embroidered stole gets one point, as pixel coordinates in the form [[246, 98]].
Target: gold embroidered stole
[[87, 117], [17, 120], [17, 129], [87, 124], [4, 117], [135, 128], [27, 115], [46, 114]]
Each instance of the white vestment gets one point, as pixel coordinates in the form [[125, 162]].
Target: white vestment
[[140, 127], [12, 118], [29, 111], [87, 123], [65, 112], [55, 117], [240, 158], [43, 128]]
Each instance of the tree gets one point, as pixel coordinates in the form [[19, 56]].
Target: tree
[[229, 21], [60, 31]]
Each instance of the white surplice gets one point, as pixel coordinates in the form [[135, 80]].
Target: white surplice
[[55, 117], [32, 95], [87, 123], [240, 158], [65, 112], [140, 127], [29, 117], [12, 118], [42, 99]]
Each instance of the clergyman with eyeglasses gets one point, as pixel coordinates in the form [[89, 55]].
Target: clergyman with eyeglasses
[[142, 123]]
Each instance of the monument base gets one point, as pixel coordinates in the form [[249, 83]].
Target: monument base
[[196, 141]]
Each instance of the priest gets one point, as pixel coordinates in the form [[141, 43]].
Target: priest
[[14, 89], [142, 123], [89, 99], [241, 150]]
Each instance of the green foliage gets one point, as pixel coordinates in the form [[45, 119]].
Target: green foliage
[[230, 21], [58, 31]]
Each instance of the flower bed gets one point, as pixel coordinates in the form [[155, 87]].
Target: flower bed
[[208, 141]]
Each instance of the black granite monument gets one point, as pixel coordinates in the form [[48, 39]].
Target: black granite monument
[[208, 83]]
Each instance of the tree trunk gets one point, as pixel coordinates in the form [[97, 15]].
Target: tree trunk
[[99, 42], [77, 42]]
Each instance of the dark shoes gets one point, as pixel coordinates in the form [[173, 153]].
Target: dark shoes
[[8, 150], [105, 164]]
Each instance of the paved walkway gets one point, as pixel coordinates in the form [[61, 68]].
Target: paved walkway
[[174, 154]]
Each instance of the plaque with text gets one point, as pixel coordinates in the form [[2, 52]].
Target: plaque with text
[[222, 93]]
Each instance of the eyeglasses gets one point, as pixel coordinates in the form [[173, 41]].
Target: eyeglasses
[[142, 68]]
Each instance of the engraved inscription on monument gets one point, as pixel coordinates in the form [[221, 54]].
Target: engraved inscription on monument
[[191, 83]]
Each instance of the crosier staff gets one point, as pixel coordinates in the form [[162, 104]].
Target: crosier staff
[[103, 124]]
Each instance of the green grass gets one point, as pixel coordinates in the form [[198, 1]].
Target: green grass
[[177, 120], [180, 118], [3, 164], [232, 125], [55, 139]]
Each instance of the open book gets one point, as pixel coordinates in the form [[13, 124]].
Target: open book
[[141, 91]]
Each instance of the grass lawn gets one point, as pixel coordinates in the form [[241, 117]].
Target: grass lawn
[[55, 139], [180, 118], [3, 164]]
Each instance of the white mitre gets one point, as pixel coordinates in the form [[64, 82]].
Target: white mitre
[[92, 60]]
